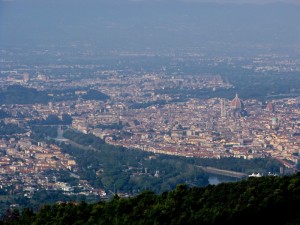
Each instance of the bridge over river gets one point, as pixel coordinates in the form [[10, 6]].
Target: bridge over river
[[217, 171]]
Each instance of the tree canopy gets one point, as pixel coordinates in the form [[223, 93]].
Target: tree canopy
[[266, 200]]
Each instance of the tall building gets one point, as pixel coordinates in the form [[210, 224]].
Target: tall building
[[223, 108]]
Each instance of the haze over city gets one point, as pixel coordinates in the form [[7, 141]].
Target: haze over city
[[141, 108]]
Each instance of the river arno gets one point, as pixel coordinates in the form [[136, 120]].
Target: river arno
[[217, 179]]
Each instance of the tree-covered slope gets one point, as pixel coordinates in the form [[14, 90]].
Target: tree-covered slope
[[266, 200]]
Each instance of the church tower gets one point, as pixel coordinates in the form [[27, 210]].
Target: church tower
[[223, 108]]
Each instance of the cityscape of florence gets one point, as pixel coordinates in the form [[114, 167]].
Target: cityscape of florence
[[149, 112]]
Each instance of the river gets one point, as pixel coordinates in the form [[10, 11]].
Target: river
[[215, 179]]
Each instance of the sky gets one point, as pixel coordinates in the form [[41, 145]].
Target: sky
[[149, 23], [200, 1]]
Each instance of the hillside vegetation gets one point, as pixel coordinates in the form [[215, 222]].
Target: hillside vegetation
[[266, 200]]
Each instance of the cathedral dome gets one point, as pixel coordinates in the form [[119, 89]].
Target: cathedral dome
[[270, 107], [236, 103]]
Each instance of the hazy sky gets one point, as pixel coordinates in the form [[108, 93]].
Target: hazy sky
[[148, 23], [200, 1]]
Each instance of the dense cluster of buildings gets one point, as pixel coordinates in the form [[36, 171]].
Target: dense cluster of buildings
[[143, 113], [197, 128], [26, 167]]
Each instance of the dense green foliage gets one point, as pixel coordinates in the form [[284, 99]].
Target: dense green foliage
[[131, 171], [16, 94], [147, 104], [95, 95], [266, 200], [126, 170], [39, 133], [84, 139], [261, 165], [10, 129], [53, 120]]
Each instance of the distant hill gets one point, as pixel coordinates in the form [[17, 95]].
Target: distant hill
[[266, 200]]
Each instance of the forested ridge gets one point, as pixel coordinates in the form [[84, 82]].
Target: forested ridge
[[266, 200]]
